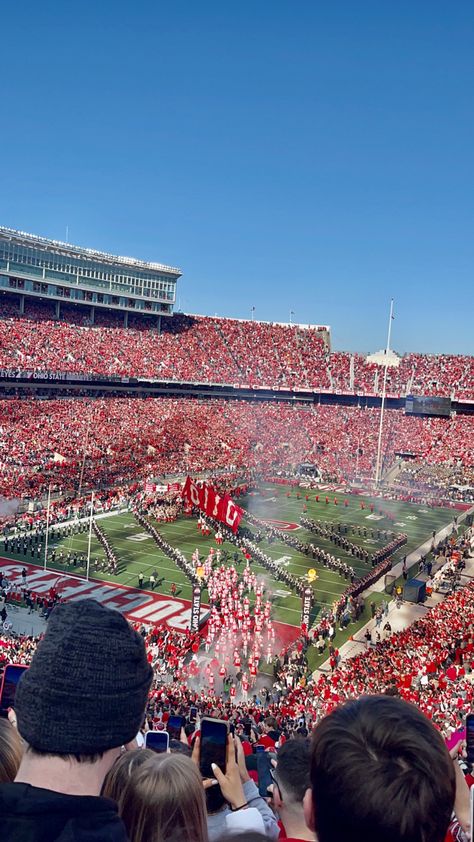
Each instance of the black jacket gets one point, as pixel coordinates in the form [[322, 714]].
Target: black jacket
[[30, 814]]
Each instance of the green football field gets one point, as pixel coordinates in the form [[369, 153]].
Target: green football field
[[137, 551]]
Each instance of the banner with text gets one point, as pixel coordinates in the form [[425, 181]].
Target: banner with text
[[306, 605], [196, 608], [219, 506]]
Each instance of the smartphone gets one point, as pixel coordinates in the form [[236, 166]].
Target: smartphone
[[472, 813], [264, 767], [174, 725], [11, 676], [193, 714], [213, 745], [157, 740], [247, 728], [259, 749], [470, 737]]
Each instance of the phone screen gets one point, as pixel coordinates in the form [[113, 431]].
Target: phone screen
[[174, 725], [470, 737], [213, 746], [193, 714], [247, 728], [264, 766], [11, 677], [157, 740], [472, 813]]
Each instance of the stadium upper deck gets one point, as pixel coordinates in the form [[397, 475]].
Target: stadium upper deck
[[204, 350], [36, 267]]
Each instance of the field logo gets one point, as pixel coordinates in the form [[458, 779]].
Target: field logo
[[140, 536], [283, 561], [283, 525]]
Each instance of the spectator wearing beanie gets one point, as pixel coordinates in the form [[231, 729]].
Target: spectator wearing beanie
[[80, 701]]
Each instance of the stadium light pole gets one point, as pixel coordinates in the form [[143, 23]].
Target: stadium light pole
[[292, 313], [253, 312], [47, 527], [382, 407], [90, 538]]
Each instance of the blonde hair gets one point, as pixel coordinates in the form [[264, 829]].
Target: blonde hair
[[160, 798], [10, 751]]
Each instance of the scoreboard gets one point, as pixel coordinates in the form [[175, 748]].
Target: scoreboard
[[421, 405]]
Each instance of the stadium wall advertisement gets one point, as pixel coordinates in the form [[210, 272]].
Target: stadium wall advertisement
[[136, 605]]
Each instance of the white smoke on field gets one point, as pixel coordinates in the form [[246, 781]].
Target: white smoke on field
[[8, 508]]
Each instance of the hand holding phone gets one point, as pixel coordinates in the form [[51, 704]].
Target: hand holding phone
[[213, 746], [230, 781]]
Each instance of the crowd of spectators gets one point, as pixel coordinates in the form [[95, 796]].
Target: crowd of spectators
[[112, 441], [214, 350], [428, 664]]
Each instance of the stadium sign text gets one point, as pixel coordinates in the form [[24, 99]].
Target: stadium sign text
[[136, 605]]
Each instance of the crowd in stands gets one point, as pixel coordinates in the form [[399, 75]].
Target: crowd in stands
[[455, 481], [428, 665], [112, 441], [214, 350]]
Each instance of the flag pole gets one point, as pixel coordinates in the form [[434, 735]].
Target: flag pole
[[90, 538], [384, 391], [47, 527]]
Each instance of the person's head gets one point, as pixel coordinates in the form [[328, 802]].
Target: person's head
[[10, 751], [119, 775], [269, 724], [291, 780], [162, 798], [85, 693], [379, 770]]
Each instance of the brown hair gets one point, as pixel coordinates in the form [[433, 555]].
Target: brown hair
[[380, 770], [119, 775], [10, 751], [160, 798]]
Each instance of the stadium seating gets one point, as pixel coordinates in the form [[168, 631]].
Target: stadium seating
[[213, 350], [122, 439]]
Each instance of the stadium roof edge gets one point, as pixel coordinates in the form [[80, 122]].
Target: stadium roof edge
[[35, 239], [260, 321]]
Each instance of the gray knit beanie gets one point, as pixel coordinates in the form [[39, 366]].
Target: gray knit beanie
[[88, 682]]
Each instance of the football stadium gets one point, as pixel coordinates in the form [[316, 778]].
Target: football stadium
[[237, 467], [248, 499]]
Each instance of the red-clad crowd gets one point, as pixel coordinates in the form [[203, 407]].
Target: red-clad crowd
[[214, 350], [117, 440], [430, 663]]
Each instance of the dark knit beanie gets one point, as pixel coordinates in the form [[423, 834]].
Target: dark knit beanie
[[87, 686]]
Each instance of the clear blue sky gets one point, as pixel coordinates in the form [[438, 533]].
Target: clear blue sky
[[304, 155]]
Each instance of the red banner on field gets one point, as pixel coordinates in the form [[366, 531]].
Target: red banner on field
[[208, 500]]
